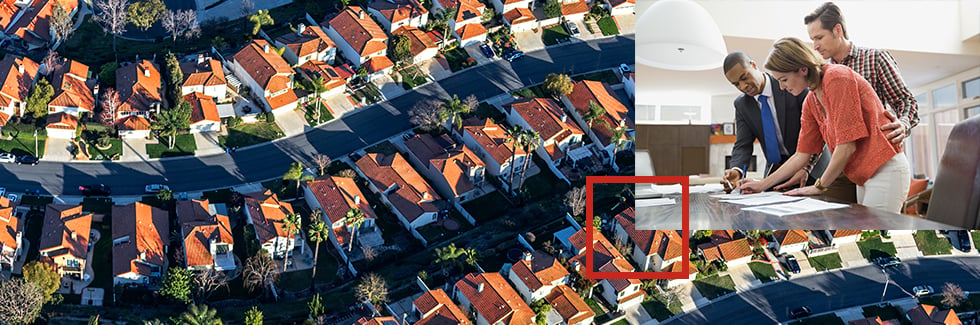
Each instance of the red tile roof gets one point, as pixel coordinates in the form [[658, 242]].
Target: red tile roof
[[492, 137], [397, 10], [569, 305], [605, 258], [333, 76], [4, 117], [359, 30], [380, 320], [453, 160], [148, 229], [378, 63], [617, 114], [927, 314], [268, 215], [469, 31], [207, 73], [72, 88], [617, 3], [139, 86], [572, 8], [16, 84], [34, 24], [337, 195], [519, 16], [541, 270], [497, 302], [10, 224], [678, 267], [199, 228], [545, 116], [469, 9], [312, 39], [728, 245], [65, 231], [845, 233], [414, 195], [203, 107], [133, 123], [437, 309], [63, 121], [267, 68], [418, 38], [665, 243], [789, 237]]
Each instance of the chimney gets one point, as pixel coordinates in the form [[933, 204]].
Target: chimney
[[20, 68], [300, 28], [576, 265], [200, 58], [564, 117], [360, 15], [142, 255], [265, 48], [357, 199], [479, 287], [74, 235], [528, 256], [146, 72], [212, 247]]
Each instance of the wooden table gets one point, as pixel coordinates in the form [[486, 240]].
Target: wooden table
[[708, 213]]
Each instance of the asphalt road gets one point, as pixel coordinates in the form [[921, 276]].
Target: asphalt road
[[836, 290], [335, 139]]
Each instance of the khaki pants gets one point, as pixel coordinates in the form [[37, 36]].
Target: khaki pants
[[888, 187]]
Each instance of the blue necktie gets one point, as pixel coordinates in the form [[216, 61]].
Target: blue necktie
[[769, 132]]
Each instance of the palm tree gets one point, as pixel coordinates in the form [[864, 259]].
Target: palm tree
[[515, 136], [448, 255], [453, 109], [595, 112], [354, 218], [619, 139], [317, 233], [171, 122], [294, 173], [532, 140], [318, 86], [259, 19], [198, 316], [291, 224]]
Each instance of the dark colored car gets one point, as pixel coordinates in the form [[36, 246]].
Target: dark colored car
[[964, 237], [513, 55], [801, 312], [792, 264], [890, 261], [27, 160], [95, 190], [487, 51]]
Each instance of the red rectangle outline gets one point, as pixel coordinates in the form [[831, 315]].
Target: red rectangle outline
[[685, 230]]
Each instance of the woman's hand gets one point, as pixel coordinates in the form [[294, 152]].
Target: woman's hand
[[804, 191], [751, 186]]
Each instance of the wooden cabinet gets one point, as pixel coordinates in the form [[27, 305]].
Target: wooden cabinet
[[676, 150]]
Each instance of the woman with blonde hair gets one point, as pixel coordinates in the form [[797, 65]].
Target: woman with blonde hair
[[843, 112]]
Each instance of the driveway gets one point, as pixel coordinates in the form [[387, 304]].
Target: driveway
[[637, 315], [626, 23], [57, 150], [529, 40], [437, 68], [207, 144], [291, 122], [743, 277], [340, 104], [850, 255], [905, 246], [389, 88], [475, 53], [135, 149]]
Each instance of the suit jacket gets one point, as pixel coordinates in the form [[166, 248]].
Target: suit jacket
[[748, 125]]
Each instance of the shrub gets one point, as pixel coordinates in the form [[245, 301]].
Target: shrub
[[270, 117], [234, 121]]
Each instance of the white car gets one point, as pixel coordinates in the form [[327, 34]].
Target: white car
[[153, 188], [7, 157], [922, 290]]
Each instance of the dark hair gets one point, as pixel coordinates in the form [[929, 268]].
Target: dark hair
[[829, 16], [737, 57]]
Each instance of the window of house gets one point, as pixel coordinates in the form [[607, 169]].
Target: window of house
[[944, 97], [971, 111], [971, 88]]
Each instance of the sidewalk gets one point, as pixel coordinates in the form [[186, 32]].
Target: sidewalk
[[135, 149], [291, 122], [905, 245], [857, 312]]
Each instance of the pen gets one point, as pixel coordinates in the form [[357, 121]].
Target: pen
[[745, 172]]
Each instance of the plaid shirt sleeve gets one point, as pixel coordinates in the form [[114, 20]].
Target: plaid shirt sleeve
[[895, 93]]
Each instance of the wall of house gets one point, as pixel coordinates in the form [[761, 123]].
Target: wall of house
[[520, 286], [425, 55], [492, 165], [798, 247], [130, 277], [625, 8], [345, 48], [247, 80]]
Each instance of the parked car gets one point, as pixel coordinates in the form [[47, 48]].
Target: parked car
[[95, 190], [792, 264], [624, 68], [3, 191], [27, 160], [964, 237], [153, 188], [513, 55], [922, 290], [572, 28], [885, 262], [800, 312], [8, 157], [487, 50]]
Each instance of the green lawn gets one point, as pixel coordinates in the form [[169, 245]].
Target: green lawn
[[114, 150], [657, 308], [715, 286], [412, 77], [826, 262], [885, 313], [184, 145], [594, 305], [554, 35], [311, 118], [607, 76], [23, 143], [369, 92], [929, 244], [245, 135], [763, 271], [873, 248], [976, 239], [829, 319], [101, 259], [458, 59], [487, 207], [608, 26]]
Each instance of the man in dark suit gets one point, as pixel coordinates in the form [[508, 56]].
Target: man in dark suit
[[769, 114]]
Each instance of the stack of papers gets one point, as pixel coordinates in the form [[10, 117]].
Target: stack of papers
[[805, 205], [707, 188], [654, 202], [753, 200]]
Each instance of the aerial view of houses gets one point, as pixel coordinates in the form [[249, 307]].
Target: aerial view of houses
[[311, 162]]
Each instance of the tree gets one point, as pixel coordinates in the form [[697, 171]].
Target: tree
[[207, 282], [446, 16], [354, 218], [253, 316], [173, 121], [317, 86], [595, 111], [177, 285], [575, 200], [454, 108], [260, 18], [317, 233], [144, 13], [425, 114], [61, 23], [619, 138], [174, 76], [557, 84], [182, 23], [291, 224], [110, 102], [22, 301], [372, 288], [294, 173], [552, 8], [37, 100], [531, 142], [597, 222], [401, 49], [315, 306], [451, 255], [514, 135], [51, 62], [321, 161], [198, 315], [112, 15], [259, 272], [107, 73], [952, 295], [165, 195], [541, 308], [44, 276], [488, 16]]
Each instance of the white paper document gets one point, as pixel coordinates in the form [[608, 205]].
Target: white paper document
[[735, 195], [654, 202], [666, 189], [753, 200], [707, 188], [805, 205]]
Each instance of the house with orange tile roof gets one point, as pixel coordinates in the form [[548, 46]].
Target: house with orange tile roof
[[569, 306], [73, 89], [490, 141], [18, 76], [140, 236], [502, 6], [140, 93], [728, 246], [206, 233], [333, 77], [204, 113], [492, 299], [536, 275], [411, 198], [267, 215], [561, 138], [622, 293], [334, 196], [32, 22], [520, 19], [928, 315], [435, 308], [467, 25], [394, 14], [11, 234], [616, 114], [620, 7], [360, 40], [65, 238], [422, 48], [839, 237], [305, 44], [204, 75], [788, 241], [692, 273], [260, 67], [574, 9], [456, 171], [380, 320], [653, 250], [61, 125]]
